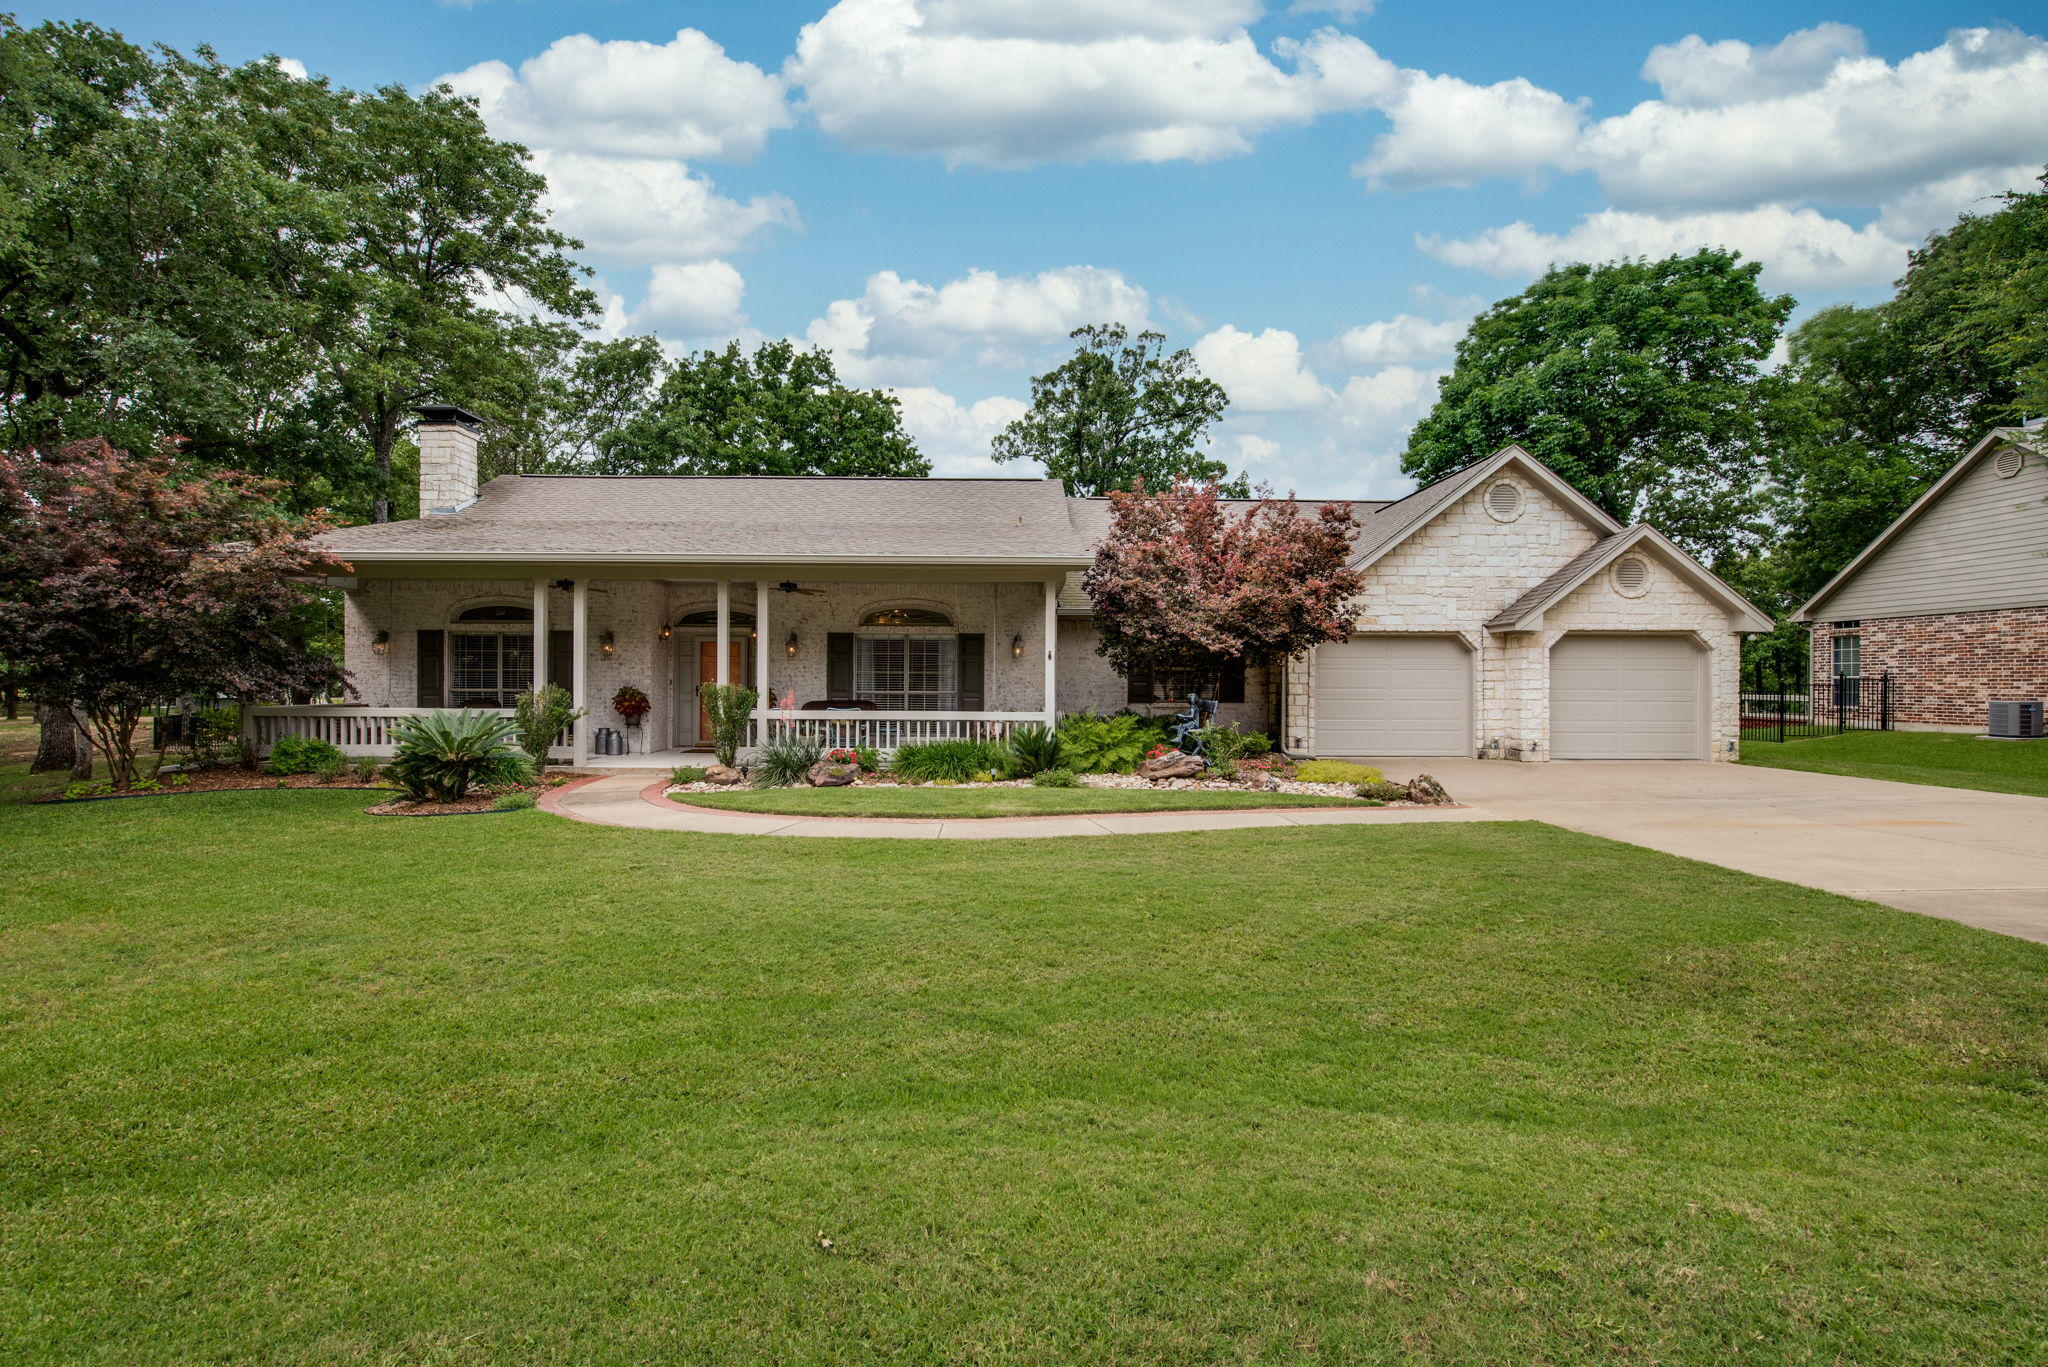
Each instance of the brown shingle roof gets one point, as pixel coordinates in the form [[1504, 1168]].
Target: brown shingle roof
[[1564, 574], [739, 518]]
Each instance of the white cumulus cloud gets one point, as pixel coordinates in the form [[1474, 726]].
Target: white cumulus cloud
[[1801, 249], [692, 299], [1017, 84], [956, 437], [1447, 131], [683, 98], [645, 208], [900, 329], [1261, 372], [1695, 72], [1403, 339]]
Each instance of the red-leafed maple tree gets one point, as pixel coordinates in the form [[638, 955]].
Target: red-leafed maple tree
[[1185, 580], [123, 584]]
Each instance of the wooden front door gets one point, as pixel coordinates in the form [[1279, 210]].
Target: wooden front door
[[707, 672]]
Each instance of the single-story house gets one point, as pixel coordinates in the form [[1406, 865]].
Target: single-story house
[[1951, 599], [1503, 615]]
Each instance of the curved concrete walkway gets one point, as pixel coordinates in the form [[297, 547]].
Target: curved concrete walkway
[[630, 800]]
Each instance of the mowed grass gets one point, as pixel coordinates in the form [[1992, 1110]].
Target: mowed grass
[[1939, 758], [281, 1083], [961, 803]]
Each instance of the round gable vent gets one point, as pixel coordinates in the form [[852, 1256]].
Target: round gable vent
[[1504, 501], [2007, 463], [1631, 575]]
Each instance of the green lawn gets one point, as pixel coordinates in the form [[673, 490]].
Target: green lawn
[[975, 802], [281, 1083], [1933, 757]]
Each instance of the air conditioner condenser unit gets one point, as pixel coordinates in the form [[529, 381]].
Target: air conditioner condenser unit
[[2016, 720]]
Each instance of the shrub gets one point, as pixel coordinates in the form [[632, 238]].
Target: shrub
[[1336, 771], [729, 707], [368, 769], [687, 773], [1034, 749], [514, 802], [865, 758], [785, 761], [539, 716], [985, 776], [301, 755], [952, 760], [216, 736], [331, 767], [1055, 778], [1225, 745], [1107, 745], [442, 755]]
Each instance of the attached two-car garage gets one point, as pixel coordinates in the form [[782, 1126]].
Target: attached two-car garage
[[1612, 696]]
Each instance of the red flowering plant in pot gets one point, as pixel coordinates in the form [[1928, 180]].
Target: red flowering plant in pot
[[630, 703]]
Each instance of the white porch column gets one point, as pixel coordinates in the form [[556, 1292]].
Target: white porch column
[[762, 683], [540, 635], [725, 631], [1052, 621], [579, 655]]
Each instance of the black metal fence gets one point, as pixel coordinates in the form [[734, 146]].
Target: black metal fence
[[1801, 710]]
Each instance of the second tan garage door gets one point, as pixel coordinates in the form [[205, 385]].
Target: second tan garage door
[[1625, 697], [1394, 695]]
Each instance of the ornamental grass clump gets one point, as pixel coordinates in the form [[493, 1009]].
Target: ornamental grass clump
[[949, 761], [785, 762], [442, 755], [729, 707]]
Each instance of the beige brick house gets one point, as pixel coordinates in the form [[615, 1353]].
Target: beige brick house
[[1503, 616], [1951, 599]]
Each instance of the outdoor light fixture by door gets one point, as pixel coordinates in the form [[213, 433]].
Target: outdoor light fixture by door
[[789, 646], [664, 631], [381, 643], [606, 643], [1017, 647]]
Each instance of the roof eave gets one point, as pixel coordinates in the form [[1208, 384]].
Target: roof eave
[[1743, 614], [427, 557], [1553, 483]]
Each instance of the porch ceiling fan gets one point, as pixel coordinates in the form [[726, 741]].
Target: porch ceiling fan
[[791, 586]]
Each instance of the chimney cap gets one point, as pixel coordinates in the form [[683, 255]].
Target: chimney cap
[[448, 412]]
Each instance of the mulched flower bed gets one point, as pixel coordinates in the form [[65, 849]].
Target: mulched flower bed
[[1209, 785]]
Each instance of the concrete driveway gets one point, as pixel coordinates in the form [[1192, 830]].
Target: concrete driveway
[[1978, 858]]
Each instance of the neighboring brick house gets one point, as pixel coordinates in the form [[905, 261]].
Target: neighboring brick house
[[1950, 600], [1503, 615]]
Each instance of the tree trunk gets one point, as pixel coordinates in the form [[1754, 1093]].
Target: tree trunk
[[382, 439], [62, 744]]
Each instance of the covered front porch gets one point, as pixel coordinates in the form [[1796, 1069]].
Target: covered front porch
[[848, 662]]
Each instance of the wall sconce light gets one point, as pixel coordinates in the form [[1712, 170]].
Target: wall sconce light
[[665, 633], [607, 642], [1017, 647], [789, 646], [381, 643]]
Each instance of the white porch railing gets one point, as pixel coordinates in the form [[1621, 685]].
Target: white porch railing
[[356, 729], [887, 730]]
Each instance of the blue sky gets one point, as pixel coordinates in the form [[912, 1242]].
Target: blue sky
[[1314, 196]]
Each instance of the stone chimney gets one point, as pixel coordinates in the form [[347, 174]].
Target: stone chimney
[[447, 438]]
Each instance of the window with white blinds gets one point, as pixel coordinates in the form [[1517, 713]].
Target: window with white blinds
[[909, 673], [489, 669]]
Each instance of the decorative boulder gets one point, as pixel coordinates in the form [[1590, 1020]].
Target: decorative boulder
[[720, 774], [1426, 791], [1173, 764], [825, 774]]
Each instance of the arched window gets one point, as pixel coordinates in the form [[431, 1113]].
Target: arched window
[[709, 618], [490, 655], [906, 617], [496, 612]]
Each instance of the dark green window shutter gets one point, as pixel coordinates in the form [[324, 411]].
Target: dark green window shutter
[[839, 665], [973, 652], [1231, 689], [432, 673], [1138, 686], [562, 658]]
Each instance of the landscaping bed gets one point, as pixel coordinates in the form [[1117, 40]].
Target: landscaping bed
[[996, 800]]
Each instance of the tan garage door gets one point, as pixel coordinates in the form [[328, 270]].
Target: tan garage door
[[1624, 697], [1394, 695]]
